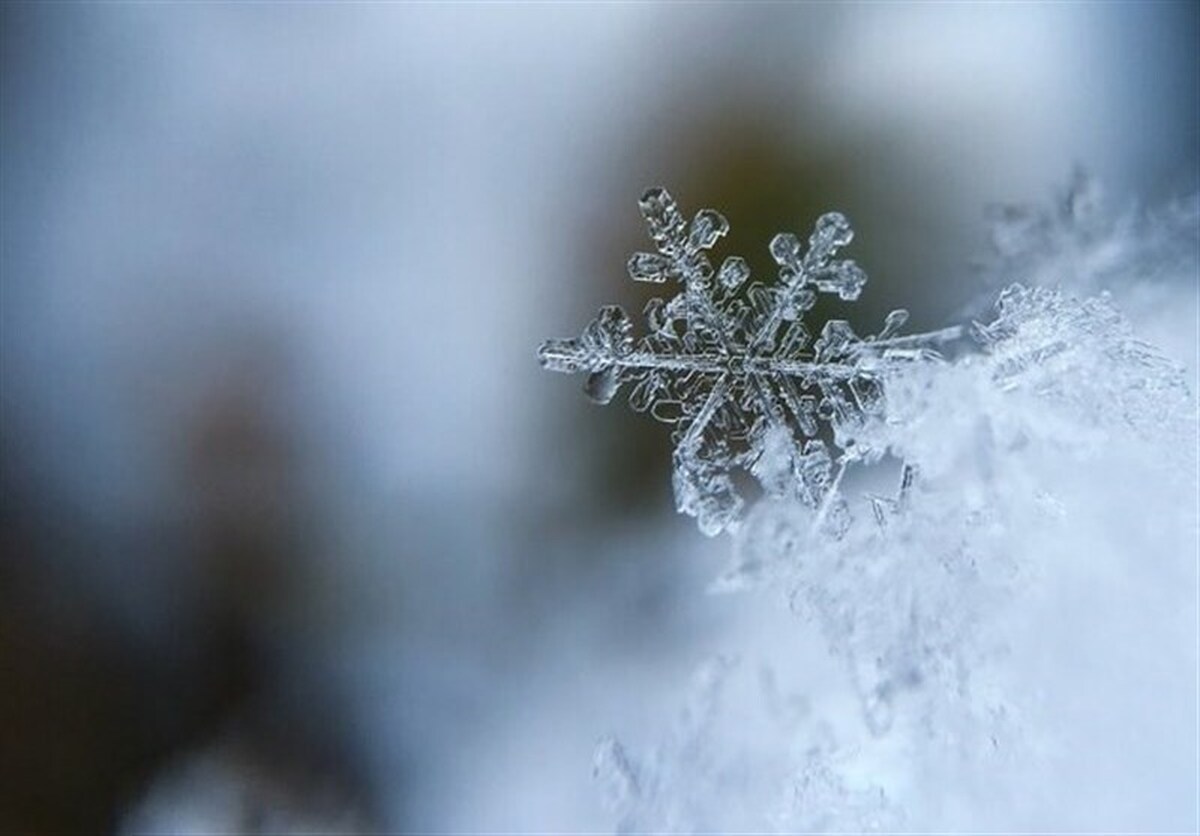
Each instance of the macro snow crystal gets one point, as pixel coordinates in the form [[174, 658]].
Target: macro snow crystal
[[989, 627], [733, 366]]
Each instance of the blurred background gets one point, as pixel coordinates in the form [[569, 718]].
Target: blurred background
[[295, 533]]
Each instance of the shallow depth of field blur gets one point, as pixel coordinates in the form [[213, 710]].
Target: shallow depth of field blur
[[295, 532]]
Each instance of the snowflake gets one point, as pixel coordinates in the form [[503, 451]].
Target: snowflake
[[735, 369]]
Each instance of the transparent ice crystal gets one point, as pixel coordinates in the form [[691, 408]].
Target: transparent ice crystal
[[733, 366], [1082, 352], [986, 624], [994, 446]]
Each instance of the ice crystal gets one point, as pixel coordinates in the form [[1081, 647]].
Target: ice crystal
[[1026, 465], [1057, 379], [1083, 354], [734, 367], [981, 619]]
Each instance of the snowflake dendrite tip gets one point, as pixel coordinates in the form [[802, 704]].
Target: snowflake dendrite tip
[[733, 366]]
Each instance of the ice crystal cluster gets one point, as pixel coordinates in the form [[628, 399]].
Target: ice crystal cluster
[[1014, 623], [733, 365]]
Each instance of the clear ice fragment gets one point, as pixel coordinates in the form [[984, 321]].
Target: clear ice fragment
[[648, 267], [707, 227], [734, 271]]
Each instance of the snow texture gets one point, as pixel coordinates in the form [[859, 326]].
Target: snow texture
[[1077, 241], [1015, 624]]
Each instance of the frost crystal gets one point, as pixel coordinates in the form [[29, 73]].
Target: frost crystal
[[734, 367], [1015, 623], [1045, 341]]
